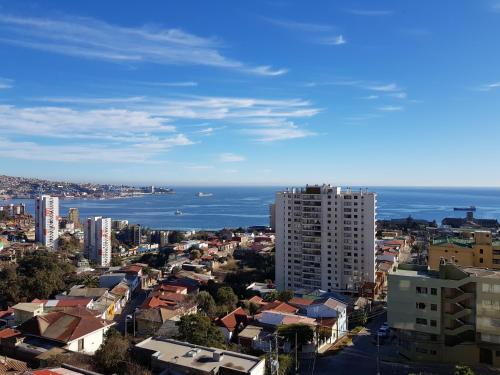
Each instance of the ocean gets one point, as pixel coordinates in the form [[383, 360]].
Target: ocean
[[247, 206]]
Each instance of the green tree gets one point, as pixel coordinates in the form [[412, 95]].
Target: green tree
[[10, 288], [302, 332], [226, 298], [285, 295], [195, 254], [90, 281], [206, 304], [463, 370], [176, 236], [198, 329], [112, 355], [116, 261]]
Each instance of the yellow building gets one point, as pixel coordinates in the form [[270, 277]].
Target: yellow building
[[472, 249]]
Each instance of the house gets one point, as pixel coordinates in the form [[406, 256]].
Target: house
[[77, 330], [26, 310], [232, 323], [280, 307], [254, 337], [50, 305], [121, 294], [177, 357], [328, 308], [262, 288]]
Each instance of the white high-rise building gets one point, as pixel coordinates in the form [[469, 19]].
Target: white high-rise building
[[47, 220], [325, 238], [97, 240]]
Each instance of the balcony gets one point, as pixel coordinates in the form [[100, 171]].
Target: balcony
[[458, 328], [458, 298]]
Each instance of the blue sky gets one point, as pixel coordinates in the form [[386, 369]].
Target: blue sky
[[264, 92]]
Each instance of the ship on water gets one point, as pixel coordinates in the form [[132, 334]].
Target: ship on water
[[178, 212], [201, 194], [468, 209]]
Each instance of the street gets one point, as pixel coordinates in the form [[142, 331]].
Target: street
[[135, 301], [361, 358]]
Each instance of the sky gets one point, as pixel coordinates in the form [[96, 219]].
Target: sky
[[276, 92]]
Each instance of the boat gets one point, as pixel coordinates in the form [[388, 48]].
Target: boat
[[178, 212], [201, 194], [468, 209]]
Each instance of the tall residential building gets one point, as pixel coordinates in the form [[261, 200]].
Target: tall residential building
[[473, 248], [272, 216], [74, 216], [97, 240], [325, 238], [449, 315], [47, 220]]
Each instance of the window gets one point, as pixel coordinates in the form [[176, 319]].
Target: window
[[421, 321], [421, 290], [421, 350], [433, 352], [80, 345], [434, 307], [434, 291], [420, 305], [480, 260], [433, 323]]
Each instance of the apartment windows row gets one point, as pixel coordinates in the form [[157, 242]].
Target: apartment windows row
[[490, 288], [423, 322], [425, 290], [423, 306]]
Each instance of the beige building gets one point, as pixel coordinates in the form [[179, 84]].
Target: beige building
[[470, 249], [450, 315], [26, 310], [325, 238]]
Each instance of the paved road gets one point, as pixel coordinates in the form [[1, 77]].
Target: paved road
[[361, 358], [137, 299]]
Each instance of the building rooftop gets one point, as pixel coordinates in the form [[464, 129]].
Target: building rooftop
[[197, 357], [28, 306]]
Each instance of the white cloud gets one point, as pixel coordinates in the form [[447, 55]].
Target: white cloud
[[229, 157], [312, 32], [83, 100], [64, 122], [28, 150], [390, 108], [369, 12], [272, 134], [336, 40], [98, 40], [6, 83], [390, 87], [298, 26], [398, 95], [370, 97], [489, 86], [171, 84]]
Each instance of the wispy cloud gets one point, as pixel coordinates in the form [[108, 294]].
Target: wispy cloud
[[370, 97], [229, 157], [170, 84], [6, 83], [93, 152], [98, 40], [391, 108], [495, 7], [333, 40], [312, 32], [370, 12], [489, 86], [83, 100]]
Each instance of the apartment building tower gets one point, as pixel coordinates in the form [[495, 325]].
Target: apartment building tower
[[74, 216], [447, 315], [325, 238], [47, 220], [97, 240]]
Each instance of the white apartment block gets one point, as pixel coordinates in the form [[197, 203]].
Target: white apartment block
[[47, 220], [97, 240], [325, 238]]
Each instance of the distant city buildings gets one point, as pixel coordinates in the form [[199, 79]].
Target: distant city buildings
[[46, 220], [449, 315], [74, 216], [325, 238], [472, 248], [97, 240], [119, 224]]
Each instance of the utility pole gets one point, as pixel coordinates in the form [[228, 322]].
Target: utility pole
[[296, 356], [378, 354], [126, 333], [133, 316]]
